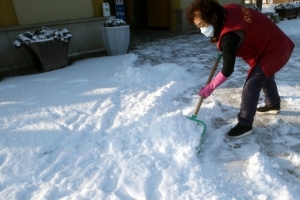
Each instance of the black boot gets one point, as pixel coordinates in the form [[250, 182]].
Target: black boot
[[239, 131], [269, 109]]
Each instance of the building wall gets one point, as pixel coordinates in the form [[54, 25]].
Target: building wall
[[223, 2], [186, 3], [97, 8], [8, 15], [38, 11], [172, 6]]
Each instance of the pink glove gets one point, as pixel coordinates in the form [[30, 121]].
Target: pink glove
[[217, 81]]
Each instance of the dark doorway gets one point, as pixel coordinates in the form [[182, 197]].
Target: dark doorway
[[147, 14], [158, 13], [112, 6], [140, 14]]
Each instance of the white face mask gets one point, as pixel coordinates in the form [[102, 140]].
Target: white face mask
[[208, 31]]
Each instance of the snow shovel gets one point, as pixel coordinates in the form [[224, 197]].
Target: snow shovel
[[194, 116]]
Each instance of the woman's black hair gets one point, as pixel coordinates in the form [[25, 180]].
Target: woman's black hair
[[208, 10]]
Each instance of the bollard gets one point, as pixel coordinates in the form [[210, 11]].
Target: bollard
[[275, 18]]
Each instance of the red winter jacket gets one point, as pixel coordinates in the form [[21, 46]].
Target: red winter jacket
[[263, 41]]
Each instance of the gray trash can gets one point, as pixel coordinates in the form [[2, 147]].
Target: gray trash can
[[48, 55], [116, 39]]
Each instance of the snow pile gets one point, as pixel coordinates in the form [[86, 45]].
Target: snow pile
[[44, 34]]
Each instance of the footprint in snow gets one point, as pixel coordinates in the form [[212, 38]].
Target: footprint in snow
[[44, 79], [111, 180], [161, 165], [81, 80], [4, 87], [219, 122], [154, 180], [116, 146], [2, 159]]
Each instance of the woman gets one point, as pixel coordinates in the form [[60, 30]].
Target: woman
[[242, 32]]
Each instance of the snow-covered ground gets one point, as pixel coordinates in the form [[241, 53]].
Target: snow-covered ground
[[116, 128]]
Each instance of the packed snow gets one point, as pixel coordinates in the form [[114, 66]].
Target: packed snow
[[116, 128]]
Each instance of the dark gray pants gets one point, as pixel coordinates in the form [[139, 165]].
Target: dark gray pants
[[256, 81]]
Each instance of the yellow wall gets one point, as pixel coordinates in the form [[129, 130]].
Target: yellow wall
[[38, 11], [97, 8], [7, 14], [186, 3], [15, 12], [159, 18], [173, 4]]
